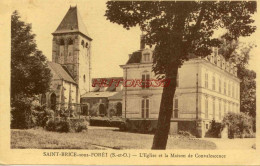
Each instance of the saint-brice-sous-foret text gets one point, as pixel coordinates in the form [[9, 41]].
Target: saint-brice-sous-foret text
[[132, 155]]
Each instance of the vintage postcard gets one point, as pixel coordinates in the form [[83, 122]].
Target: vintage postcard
[[129, 82]]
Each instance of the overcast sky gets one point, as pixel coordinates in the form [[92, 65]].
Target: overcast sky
[[111, 42]]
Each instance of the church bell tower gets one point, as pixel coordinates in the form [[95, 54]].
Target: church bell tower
[[71, 47]]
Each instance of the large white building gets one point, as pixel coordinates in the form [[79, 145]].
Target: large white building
[[207, 88]]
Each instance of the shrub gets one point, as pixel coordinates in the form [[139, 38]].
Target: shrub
[[239, 125], [63, 126], [122, 126], [58, 126], [214, 130], [50, 125], [22, 113], [185, 134], [105, 121], [80, 126], [111, 112], [41, 115]]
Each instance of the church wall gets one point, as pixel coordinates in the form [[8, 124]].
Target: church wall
[[69, 92], [75, 56]]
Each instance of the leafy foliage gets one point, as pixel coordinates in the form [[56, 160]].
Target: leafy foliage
[[80, 126], [181, 28], [238, 124], [30, 75], [27, 113], [29, 72], [59, 126], [239, 53], [215, 129], [21, 114]]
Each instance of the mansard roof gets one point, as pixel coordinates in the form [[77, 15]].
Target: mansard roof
[[60, 72], [72, 22], [136, 57]]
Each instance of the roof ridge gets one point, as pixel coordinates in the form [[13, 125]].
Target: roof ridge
[[72, 22]]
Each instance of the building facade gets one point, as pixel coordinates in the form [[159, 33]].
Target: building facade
[[207, 88]]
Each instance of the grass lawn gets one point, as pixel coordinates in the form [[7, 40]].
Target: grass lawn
[[96, 138]]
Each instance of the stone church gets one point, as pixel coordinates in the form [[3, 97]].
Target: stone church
[[70, 65]]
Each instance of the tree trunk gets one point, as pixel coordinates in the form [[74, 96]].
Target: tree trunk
[[165, 114]]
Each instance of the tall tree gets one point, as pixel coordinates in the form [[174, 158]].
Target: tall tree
[[178, 30], [240, 53], [29, 72]]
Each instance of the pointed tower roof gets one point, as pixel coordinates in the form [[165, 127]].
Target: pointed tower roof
[[72, 22]]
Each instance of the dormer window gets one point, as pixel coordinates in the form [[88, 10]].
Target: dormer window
[[146, 57]]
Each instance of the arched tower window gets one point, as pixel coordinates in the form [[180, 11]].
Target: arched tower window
[[62, 42], [82, 43], [70, 42], [86, 44], [84, 78]]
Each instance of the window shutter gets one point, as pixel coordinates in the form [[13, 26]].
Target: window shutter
[[147, 80], [147, 108], [143, 81], [143, 107], [176, 104]]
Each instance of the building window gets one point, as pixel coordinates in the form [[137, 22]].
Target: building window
[[219, 107], [145, 108], [84, 78], [207, 126], [219, 86], [206, 80], [146, 57], [213, 83], [213, 108], [206, 108], [53, 101], [145, 80], [225, 87], [86, 44]]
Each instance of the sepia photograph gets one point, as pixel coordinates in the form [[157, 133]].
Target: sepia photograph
[[133, 75]]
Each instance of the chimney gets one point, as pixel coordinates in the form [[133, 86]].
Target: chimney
[[142, 42]]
